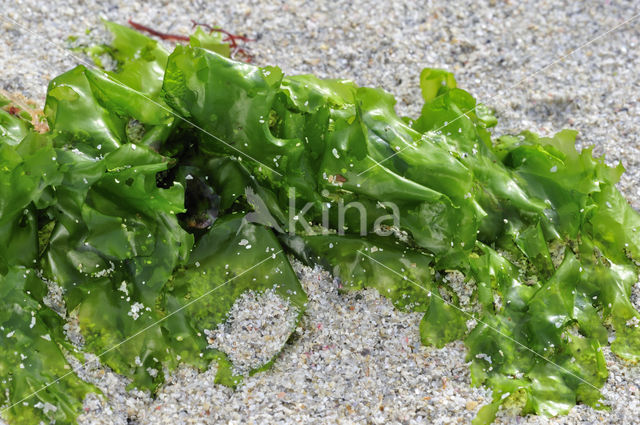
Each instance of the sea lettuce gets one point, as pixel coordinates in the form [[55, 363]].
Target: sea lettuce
[[171, 183]]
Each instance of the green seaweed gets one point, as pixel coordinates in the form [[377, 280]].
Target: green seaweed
[[170, 185]]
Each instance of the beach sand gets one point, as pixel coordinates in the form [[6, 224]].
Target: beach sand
[[354, 358]]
